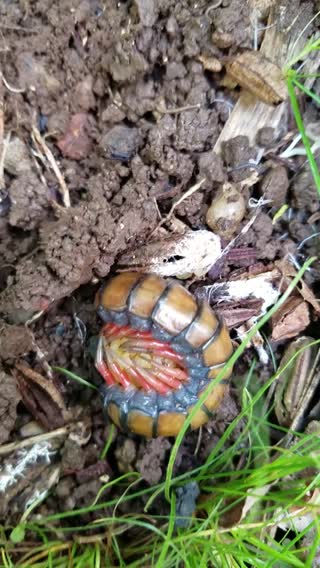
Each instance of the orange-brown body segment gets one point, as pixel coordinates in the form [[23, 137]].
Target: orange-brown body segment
[[171, 315]]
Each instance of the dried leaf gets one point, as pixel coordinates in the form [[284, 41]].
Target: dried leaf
[[235, 314], [232, 516], [299, 517], [290, 320], [41, 397], [180, 255], [255, 73], [253, 499], [289, 273]]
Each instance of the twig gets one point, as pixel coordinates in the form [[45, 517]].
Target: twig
[[199, 440], [11, 89], [187, 194], [7, 448], [39, 354], [213, 7], [18, 28], [301, 244], [37, 315], [51, 159], [41, 157], [164, 110], [5, 144], [229, 105], [91, 538]]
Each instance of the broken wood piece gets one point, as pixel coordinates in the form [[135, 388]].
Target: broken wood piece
[[192, 253], [283, 40]]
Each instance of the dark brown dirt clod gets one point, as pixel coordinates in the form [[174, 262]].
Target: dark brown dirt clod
[[266, 136], [211, 167], [237, 153], [234, 19], [150, 461], [260, 235], [9, 400], [109, 86], [15, 341], [34, 75], [121, 142], [29, 202], [83, 242], [275, 185], [93, 471], [73, 457], [305, 195], [84, 95], [196, 129]]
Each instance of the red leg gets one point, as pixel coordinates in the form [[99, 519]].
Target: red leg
[[102, 368]]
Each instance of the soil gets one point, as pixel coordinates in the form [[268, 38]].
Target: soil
[[130, 115]]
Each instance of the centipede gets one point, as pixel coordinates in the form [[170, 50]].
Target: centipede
[[158, 349]]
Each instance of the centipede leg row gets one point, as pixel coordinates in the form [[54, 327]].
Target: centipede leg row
[[158, 350]]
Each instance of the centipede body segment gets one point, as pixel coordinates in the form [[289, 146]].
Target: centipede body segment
[[158, 350]]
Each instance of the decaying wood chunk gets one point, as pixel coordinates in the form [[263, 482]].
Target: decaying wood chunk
[[288, 273], [194, 252], [283, 39], [261, 8]]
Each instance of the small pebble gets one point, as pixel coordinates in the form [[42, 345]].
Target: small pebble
[[186, 503], [5, 202], [226, 211], [32, 428], [121, 142]]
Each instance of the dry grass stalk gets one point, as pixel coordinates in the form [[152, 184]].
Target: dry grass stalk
[[187, 194], [13, 446], [39, 141]]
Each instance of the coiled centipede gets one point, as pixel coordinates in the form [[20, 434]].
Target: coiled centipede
[[158, 350]]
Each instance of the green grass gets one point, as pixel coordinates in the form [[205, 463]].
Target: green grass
[[272, 477], [295, 85], [250, 540], [274, 480]]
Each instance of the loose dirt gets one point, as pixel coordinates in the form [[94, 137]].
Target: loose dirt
[[118, 93]]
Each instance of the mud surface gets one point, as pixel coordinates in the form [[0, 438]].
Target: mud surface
[[115, 97]]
